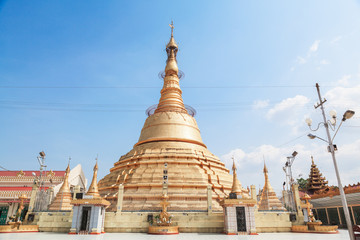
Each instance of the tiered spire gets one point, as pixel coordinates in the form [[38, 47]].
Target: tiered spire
[[268, 198], [63, 197], [171, 100], [236, 186], [316, 182], [93, 189]]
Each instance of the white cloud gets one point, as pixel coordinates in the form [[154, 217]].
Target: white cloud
[[315, 46], [287, 106], [259, 104], [300, 60], [344, 80], [344, 97], [250, 163], [312, 50], [324, 62], [336, 39]]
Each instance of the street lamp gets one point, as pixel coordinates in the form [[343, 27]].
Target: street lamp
[[41, 160], [290, 180], [332, 148]]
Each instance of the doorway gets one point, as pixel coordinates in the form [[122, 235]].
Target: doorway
[[241, 219], [85, 219]]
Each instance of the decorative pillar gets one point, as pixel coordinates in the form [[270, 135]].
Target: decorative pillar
[[209, 199], [295, 189], [34, 190], [120, 199], [76, 219], [253, 192], [50, 193]]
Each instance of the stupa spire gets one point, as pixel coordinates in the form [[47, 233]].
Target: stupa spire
[[93, 189], [265, 170], [236, 186], [171, 99], [65, 187], [268, 199], [63, 197]]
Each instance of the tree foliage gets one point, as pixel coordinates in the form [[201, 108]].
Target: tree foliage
[[303, 183]]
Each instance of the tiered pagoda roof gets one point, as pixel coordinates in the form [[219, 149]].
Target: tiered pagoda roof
[[315, 182]]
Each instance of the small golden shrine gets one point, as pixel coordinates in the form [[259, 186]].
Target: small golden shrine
[[89, 212], [163, 220], [63, 197], [268, 199], [239, 208], [313, 225]]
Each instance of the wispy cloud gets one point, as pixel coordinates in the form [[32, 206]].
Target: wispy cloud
[[315, 46], [260, 104], [324, 62], [336, 39], [300, 60]]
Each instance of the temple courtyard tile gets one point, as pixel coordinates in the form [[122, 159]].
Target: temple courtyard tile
[[343, 234]]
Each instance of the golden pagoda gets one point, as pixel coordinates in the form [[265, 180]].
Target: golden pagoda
[[93, 189], [236, 185], [316, 182], [170, 135], [268, 198], [63, 197]]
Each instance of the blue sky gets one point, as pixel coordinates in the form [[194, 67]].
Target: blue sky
[[77, 76]]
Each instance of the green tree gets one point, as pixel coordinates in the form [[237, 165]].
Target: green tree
[[303, 183]]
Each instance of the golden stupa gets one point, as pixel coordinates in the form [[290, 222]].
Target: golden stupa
[[268, 198], [170, 135], [63, 197]]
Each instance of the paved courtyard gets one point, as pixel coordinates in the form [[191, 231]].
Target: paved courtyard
[[182, 236]]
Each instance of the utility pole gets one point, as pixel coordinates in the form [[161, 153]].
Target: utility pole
[[332, 151]]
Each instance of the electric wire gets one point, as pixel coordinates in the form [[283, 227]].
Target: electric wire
[[156, 87], [4, 168]]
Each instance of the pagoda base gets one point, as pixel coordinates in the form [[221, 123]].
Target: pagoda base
[[163, 230], [18, 228]]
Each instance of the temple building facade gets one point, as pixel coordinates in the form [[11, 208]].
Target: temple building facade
[[14, 184]]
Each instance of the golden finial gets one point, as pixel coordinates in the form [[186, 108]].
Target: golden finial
[[172, 28], [265, 168], [172, 43], [234, 166]]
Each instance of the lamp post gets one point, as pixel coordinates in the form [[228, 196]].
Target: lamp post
[[290, 180], [41, 160], [332, 148]]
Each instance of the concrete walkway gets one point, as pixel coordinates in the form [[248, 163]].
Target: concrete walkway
[[182, 236]]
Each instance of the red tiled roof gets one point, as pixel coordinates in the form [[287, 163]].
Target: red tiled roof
[[15, 188], [29, 173]]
